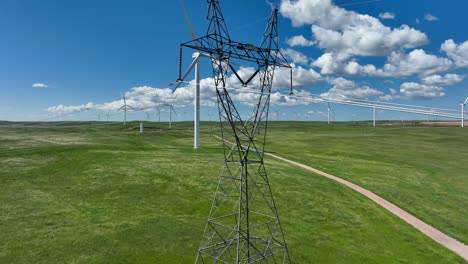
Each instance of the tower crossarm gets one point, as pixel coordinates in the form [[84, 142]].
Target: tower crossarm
[[238, 50]]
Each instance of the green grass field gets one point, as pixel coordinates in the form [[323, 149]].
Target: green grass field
[[103, 193]]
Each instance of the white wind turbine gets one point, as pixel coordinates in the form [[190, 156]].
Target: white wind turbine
[[158, 114], [277, 114], [125, 106], [463, 104], [171, 109]]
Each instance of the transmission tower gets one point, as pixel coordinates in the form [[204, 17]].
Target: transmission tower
[[243, 224]]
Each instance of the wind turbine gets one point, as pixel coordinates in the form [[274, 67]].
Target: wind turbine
[[159, 114], [277, 114], [125, 106], [211, 123], [171, 109], [107, 116], [463, 104], [296, 115], [374, 114], [195, 65]]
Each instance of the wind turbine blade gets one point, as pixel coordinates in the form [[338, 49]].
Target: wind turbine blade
[[173, 100], [122, 107], [189, 23], [179, 83], [129, 106], [466, 101], [172, 108]]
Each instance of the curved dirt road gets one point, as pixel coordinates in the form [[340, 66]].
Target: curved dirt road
[[441, 238]]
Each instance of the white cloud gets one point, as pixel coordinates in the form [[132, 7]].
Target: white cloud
[[417, 62], [301, 77], [430, 17], [300, 41], [387, 15], [391, 96], [276, 99], [145, 98], [457, 52], [282, 79], [40, 85], [412, 90], [61, 109], [347, 89], [347, 33], [447, 80], [295, 56], [141, 98]]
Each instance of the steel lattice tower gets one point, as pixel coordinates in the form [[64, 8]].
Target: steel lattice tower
[[243, 224]]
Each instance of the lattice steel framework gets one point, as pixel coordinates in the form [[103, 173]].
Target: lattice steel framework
[[243, 224]]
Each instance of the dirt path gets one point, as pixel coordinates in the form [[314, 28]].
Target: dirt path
[[450, 243], [441, 238]]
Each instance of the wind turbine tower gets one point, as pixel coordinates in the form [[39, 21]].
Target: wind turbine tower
[[463, 104], [158, 113], [124, 107], [243, 224], [171, 109], [277, 114], [374, 115]]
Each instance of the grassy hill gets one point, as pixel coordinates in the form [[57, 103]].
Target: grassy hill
[[102, 193]]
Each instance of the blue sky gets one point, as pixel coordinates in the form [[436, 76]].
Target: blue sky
[[72, 53]]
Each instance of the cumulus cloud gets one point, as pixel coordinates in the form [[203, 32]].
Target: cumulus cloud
[[145, 98], [387, 15], [62, 109], [300, 41], [347, 89], [446, 80], [417, 62], [412, 90], [295, 56], [301, 77], [457, 52], [430, 17], [329, 63], [40, 85], [348, 33], [141, 98], [393, 95]]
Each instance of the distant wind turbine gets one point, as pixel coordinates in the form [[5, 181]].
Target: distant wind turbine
[[296, 115], [171, 109], [463, 104], [159, 114], [125, 106], [277, 114]]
